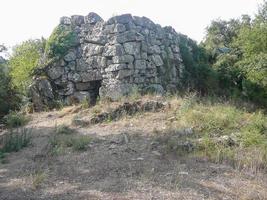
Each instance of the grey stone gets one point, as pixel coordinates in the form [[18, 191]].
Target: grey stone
[[124, 73], [77, 20], [71, 56], [113, 50], [41, 93], [128, 36], [132, 48], [82, 65], [119, 28], [115, 67], [123, 59], [65, 21], [92, 18], [140, 64], [121, 19], [55, 72], [81, 96], [96, 62], [68, 90], [91, 76], [157, 60], [94, 49], [71, 66], [115, 91], [75, 77], [155, 49]]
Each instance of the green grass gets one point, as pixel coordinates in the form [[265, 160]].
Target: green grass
[[64, 130], [15, 119], [65, 138], [14, 141], [224, 133], [37, 179]]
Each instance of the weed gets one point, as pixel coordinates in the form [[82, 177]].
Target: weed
[[64, 130], [38, 179], [14, 141], [80, 143], [66, 139], [15, 119], [85, 104]]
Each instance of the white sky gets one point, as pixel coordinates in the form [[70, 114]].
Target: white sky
[[24, 19]]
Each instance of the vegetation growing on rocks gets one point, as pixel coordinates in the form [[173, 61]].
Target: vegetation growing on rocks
[[60, 41], [175, 116]]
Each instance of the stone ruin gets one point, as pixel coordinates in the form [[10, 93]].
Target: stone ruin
[[111, 59]]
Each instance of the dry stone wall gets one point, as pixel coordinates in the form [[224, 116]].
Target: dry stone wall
[[112, 58]]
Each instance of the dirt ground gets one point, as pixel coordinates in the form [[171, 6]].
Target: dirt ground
[[122, 162]]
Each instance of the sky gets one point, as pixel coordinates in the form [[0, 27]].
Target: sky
[[29, 19]]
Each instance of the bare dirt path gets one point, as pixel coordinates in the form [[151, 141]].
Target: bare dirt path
[[121, 162]]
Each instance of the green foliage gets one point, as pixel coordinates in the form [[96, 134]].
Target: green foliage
[[60, 41], [226, 133], [23, 61], [64, 137], [9, 99], [80, 143], [37, 179], [15, 119], [85, 103], [237, 52], [198, 75], [8, 96], [63, 129], [14, 141]]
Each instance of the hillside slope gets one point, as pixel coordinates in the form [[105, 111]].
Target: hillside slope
[[149, 148]]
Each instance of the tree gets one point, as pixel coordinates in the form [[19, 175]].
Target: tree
[[8, 97], [238, 53], [23, 61]]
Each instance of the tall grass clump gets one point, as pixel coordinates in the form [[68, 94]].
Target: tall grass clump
[[226, 133], [15, 140], [15, 119]]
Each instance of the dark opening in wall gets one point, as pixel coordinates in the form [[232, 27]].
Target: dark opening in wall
[[94, 94]]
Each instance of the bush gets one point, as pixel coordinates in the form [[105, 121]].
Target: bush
[[198, 75], [23, 61], [60, 41], [9, 99], [15, 119]]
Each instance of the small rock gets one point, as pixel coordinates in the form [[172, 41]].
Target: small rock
[[183, 173], [113, 146], [156, 153]]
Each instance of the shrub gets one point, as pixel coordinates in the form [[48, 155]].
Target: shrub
[[15, 119], [23, 62], [60, 41], [9, 99]]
